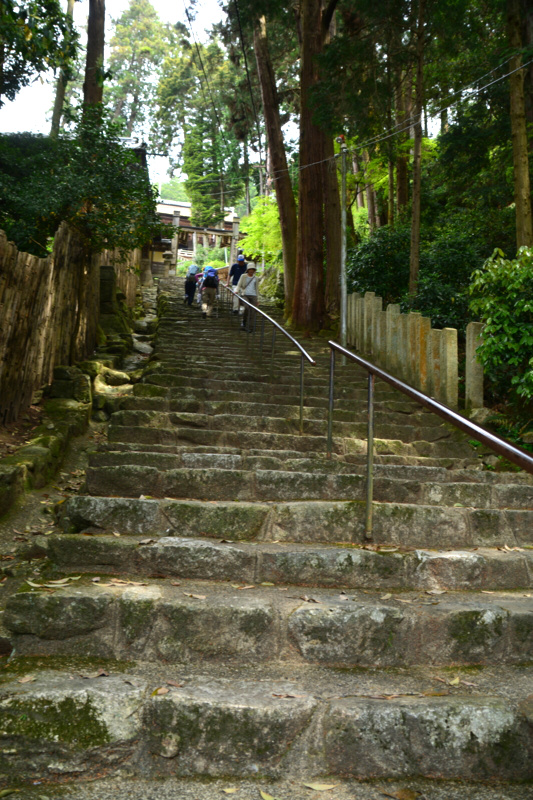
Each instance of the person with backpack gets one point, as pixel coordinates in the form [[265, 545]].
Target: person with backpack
[[236, 271], [248, 289], [190, 284], [209, 291]]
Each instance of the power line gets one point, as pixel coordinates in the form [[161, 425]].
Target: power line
[[248, 78], [205, 76]]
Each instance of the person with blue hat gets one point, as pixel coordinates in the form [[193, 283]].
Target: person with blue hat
[[236, 271], [209, 290], [190, 284]]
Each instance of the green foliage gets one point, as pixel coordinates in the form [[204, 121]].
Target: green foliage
[[211, 161], [214, 256], [34, 36], [90, 181], [137, 51], [381, 264], [502, 298], [174, 190], [263, 233]]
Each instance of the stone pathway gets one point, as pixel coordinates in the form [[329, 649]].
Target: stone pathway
[[217, 613]]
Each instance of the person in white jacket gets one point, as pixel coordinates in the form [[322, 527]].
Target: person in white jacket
[[248, 288]]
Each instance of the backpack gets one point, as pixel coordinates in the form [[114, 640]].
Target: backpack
[[210, 282]]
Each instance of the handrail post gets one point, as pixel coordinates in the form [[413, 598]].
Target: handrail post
[[273, 347], [301, 394], [370, 458], [330, 403], [261, 340]]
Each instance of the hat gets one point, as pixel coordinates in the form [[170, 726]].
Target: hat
[[250, 266], [240, 258]]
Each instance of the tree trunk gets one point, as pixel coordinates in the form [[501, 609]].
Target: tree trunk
[[391, 192], [60, 88], [332, 228], [402, 161], [527, 38], [308, 305], [522, 189], [246, 177], [92, 85], [133, 113], [370, 197], [414, 255], [360, 195], [283, 186]]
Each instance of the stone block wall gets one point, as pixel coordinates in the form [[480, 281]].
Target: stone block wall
[[410, 349]]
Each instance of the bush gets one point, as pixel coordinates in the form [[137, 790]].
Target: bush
[[89, 180], [502, 298], [381, 264]]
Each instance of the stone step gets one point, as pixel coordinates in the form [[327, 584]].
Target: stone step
[[159, 722], [341, 567], [158, 477], [291, 460], [206, 620], [310, 522], [221, 421], [357, 460], [267, 440], [192, 394], [250, 408]]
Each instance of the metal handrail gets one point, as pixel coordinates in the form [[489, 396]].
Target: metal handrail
[[501, 446], [304, 355]]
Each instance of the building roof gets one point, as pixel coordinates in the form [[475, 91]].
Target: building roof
[[171, 206]]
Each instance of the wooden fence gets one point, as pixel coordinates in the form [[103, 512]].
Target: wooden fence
[[49, 310], [410, 349]]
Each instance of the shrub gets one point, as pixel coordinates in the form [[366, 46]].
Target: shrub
[[502, 298]]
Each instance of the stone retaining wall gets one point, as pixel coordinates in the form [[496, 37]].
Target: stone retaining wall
[[49, 309], [410, 349]]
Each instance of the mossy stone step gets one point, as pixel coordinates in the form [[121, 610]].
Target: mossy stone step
[[200, 620], [223, 482], [353, 567], [266, 440], [398, 524]]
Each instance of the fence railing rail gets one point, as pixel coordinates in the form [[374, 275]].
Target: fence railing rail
[[509, 451], [254, 313]]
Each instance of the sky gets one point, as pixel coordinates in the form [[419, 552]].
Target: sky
[[32, 108]]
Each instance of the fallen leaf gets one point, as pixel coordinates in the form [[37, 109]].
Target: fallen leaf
[[268, 583], [26, 679], [321, 787], [115, 533], [402, 794], [95, 580], [174, 683], [251, 586], [467, 683], [486, 591], [308, 599], [196, 596], [455, 682], [231, 790], [436, 591], [175, 583], [6, 792], [147, 541], [385, 597], [160, 690], [441, 680], [265, 795], [388, 549]]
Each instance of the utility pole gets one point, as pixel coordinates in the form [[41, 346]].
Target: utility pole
[[344, 295]]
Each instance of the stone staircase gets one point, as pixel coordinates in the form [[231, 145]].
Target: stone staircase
[[243, 625]]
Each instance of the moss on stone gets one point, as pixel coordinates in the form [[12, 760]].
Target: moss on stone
[[135, 617], [471, 629], [72, 721]]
